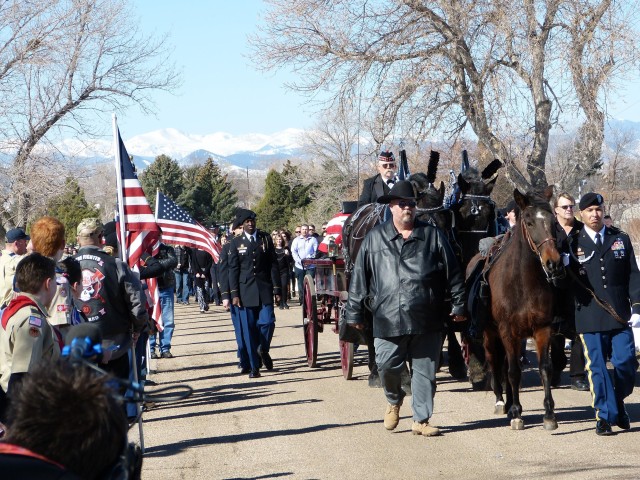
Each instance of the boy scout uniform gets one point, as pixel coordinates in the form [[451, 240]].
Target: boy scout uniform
[[25, 338]]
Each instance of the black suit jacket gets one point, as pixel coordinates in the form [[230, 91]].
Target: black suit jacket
[[611, 273], [253, 270], [372, 189]]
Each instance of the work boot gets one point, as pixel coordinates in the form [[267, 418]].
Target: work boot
[[423, 428], [154, 354], [392, 416]]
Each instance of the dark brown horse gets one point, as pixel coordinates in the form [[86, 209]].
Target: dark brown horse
[[522, 304]]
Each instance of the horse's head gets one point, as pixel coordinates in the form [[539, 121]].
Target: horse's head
[[476, 211], [536, 220]]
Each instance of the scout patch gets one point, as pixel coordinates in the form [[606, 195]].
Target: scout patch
[[37, 321], [618, 248], [34, 332]]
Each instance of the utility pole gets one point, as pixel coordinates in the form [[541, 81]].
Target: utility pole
[[246, 198]]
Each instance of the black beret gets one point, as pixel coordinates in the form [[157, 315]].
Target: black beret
[[243, 214], [590, 199]]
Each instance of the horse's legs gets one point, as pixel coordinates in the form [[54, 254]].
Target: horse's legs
[[512, 350], [456, 362], [542, 338], [495, 358]]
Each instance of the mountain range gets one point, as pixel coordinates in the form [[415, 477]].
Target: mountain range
[[255, 151]]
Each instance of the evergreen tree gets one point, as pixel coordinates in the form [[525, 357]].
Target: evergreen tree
[[208, 195], [163, 174], [281, 197], [70, 207]]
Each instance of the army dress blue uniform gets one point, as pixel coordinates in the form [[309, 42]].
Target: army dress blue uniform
[[254, 279], [610, 271], [223, 285]]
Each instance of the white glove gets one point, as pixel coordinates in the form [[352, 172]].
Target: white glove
[[634, 322]]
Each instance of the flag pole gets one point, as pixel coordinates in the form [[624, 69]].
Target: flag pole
[[125, 259], [119, 180]]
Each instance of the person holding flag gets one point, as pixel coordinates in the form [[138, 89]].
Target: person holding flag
[[111, 297]]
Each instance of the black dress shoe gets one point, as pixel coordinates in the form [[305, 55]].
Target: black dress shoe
[[603, 428], [266, 359], [624, 422], [256, 374], [286, 307], [245, 370], [580, 384]]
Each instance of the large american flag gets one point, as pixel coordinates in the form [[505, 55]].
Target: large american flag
[[138, 231], [180, 229]]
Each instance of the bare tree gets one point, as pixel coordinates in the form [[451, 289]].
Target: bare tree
[[498, 67], [59, 61]]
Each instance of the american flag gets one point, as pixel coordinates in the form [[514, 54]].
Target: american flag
[[180, 229], [138, 231], [334, 230]]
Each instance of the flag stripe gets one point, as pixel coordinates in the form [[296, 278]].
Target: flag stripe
[[180, 229]]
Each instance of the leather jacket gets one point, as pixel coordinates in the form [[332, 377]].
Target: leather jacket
[[405, 283]]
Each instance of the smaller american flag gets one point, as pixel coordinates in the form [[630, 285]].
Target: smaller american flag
[[178, 228]]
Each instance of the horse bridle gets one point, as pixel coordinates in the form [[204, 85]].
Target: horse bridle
[[536, 249], [475, 210]]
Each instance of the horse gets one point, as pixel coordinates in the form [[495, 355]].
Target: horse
[[521, 303]]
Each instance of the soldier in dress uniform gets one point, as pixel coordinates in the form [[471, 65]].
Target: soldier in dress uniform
[[223, 285], [253, 283], [607, 304], [25, 335]]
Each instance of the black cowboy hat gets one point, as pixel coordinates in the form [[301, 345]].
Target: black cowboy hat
[[402, 190]]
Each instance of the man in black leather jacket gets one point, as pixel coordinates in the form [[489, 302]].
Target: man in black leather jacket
[[404, 271]]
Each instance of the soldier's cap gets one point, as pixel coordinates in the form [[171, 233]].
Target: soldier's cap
[[236, 224], [243, 214], [590, 199], [16, 234], [89, 226], [386, 156], [402, 190]]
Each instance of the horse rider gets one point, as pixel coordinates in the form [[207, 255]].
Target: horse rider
[[564, 322], [407, 307], [606, 285], [380, 184]]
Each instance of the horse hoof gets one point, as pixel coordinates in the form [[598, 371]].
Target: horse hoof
[[550, 424], [500, 408], [517, 424]]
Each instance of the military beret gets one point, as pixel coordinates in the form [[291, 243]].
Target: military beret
[[243, 214], [590, 199], [89, 226]]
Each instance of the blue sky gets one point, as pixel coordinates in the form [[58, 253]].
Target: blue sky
[[221, 90]]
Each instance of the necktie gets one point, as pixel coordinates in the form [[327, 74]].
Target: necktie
[[598, 241], [252, 240]]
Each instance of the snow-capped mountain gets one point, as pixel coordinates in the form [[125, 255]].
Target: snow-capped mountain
[[241, 150]]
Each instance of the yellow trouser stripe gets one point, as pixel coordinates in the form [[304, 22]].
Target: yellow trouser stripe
[[588, 367]]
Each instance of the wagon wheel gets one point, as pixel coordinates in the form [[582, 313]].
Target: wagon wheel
[[346, 359], [310, 320]]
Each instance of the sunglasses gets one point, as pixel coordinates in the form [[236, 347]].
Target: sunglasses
[[297, 231], [566, 207], [407, 203], [388, 165]]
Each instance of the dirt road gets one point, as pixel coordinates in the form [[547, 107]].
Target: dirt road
[[301, 423]]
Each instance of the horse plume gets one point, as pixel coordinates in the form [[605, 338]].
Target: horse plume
[[432, 169], [491, 169]]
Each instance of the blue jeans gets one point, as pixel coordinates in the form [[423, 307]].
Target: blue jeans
[[166, 304], [182, 286]]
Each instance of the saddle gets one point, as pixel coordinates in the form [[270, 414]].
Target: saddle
[[477, 284]]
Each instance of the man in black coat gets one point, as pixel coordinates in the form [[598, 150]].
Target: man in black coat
[[607, 304], [380, 184], [404, 271], [253, 282]]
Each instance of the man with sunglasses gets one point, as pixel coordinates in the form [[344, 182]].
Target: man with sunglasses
[[380, 184], [564, 323], [403, 272]]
